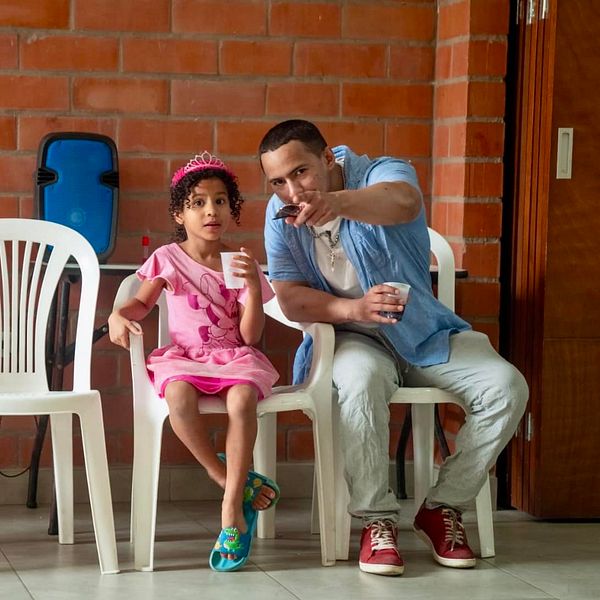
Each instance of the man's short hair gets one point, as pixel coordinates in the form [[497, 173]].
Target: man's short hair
[[294, 129]]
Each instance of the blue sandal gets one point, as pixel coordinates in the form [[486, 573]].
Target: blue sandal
[[253, 484], [230, 541]]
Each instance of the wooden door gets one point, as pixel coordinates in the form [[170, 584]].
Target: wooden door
[[555, 299]]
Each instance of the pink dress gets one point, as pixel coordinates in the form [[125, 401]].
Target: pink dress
[[206, 347]]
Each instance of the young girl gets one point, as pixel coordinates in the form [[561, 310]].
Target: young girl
[[213, 330]]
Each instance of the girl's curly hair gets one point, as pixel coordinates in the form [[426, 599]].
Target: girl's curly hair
[[181, 191]]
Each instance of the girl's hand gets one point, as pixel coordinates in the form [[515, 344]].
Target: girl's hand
[[119, 329], [378, 298], [245, 266]]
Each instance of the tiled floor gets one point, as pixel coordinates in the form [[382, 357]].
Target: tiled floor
[[534, 560]]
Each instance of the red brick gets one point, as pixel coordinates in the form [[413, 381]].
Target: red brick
[[483, 179], [9, 451], [18, 423], [389, 22], [450, 140], [448, 217], [8, 51], [255, 58], [477, 299], [451, 100], [443, 62], [9, 207], [250, 176], [30, 92], [240, 137], [423, 169], [173, 450], [482, 260], [484, 139], [70, 53], [386, 100], [486, 99], [143, 175], [253, 216], [8, 133], [303, 99], [280, 337], [460, 59], [471, 219], [26, 207], [104, 371], [175, 137], [231, 99], [408, 139], [490, 327], [209, 16], [141, 215], [300, 444], [293, 417], [46, 14], [488, 58], [17, 173], [116, 15], [33, 129], [339, 60], [362, 137], [118, 411], [304, 19], [441, 139], [120, 95], [489, 17], [411, 63], [169, 56], [26, 446], [453, 20]]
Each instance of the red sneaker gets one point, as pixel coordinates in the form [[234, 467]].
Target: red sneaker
[[443, 530], [378, 549]]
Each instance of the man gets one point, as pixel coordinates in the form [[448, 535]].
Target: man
[[361, 223]]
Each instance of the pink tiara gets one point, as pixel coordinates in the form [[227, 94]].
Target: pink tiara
[[201, 161]]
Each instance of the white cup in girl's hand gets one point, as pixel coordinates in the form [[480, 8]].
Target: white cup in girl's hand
[[402, 295], [232, 282]]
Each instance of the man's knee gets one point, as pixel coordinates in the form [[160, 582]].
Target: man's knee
[[506, 391]]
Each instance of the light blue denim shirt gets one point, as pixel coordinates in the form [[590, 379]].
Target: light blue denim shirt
[[378, 253]]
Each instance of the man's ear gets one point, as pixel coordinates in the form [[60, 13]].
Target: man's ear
[[329, 158]]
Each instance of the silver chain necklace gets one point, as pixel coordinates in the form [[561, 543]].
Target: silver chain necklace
[[332, 242]]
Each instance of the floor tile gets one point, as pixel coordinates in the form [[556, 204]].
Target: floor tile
[[535, 560]]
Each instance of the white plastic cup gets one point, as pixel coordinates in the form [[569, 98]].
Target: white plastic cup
[[232, 282], [403, 292]]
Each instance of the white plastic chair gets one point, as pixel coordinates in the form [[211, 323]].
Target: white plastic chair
[[28, 285], [312, 397], [422, 402]]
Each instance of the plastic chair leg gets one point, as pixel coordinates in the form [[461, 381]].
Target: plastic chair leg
[[485, 520], [265, 462], [146, 466], [343, 520], [62, 448], [96, 466], [324, 468], [423, 430]]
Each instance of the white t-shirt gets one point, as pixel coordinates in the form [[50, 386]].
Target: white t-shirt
[[341, 275]]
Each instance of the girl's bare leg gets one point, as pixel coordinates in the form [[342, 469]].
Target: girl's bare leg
[[189, 426], [241, 434]]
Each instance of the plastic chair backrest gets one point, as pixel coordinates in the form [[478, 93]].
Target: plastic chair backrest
[[33, 255], [444, 257]]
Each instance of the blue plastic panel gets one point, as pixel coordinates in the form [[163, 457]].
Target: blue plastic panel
[[78, 198]]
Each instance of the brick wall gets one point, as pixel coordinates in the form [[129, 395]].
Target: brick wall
[[166, 78]]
